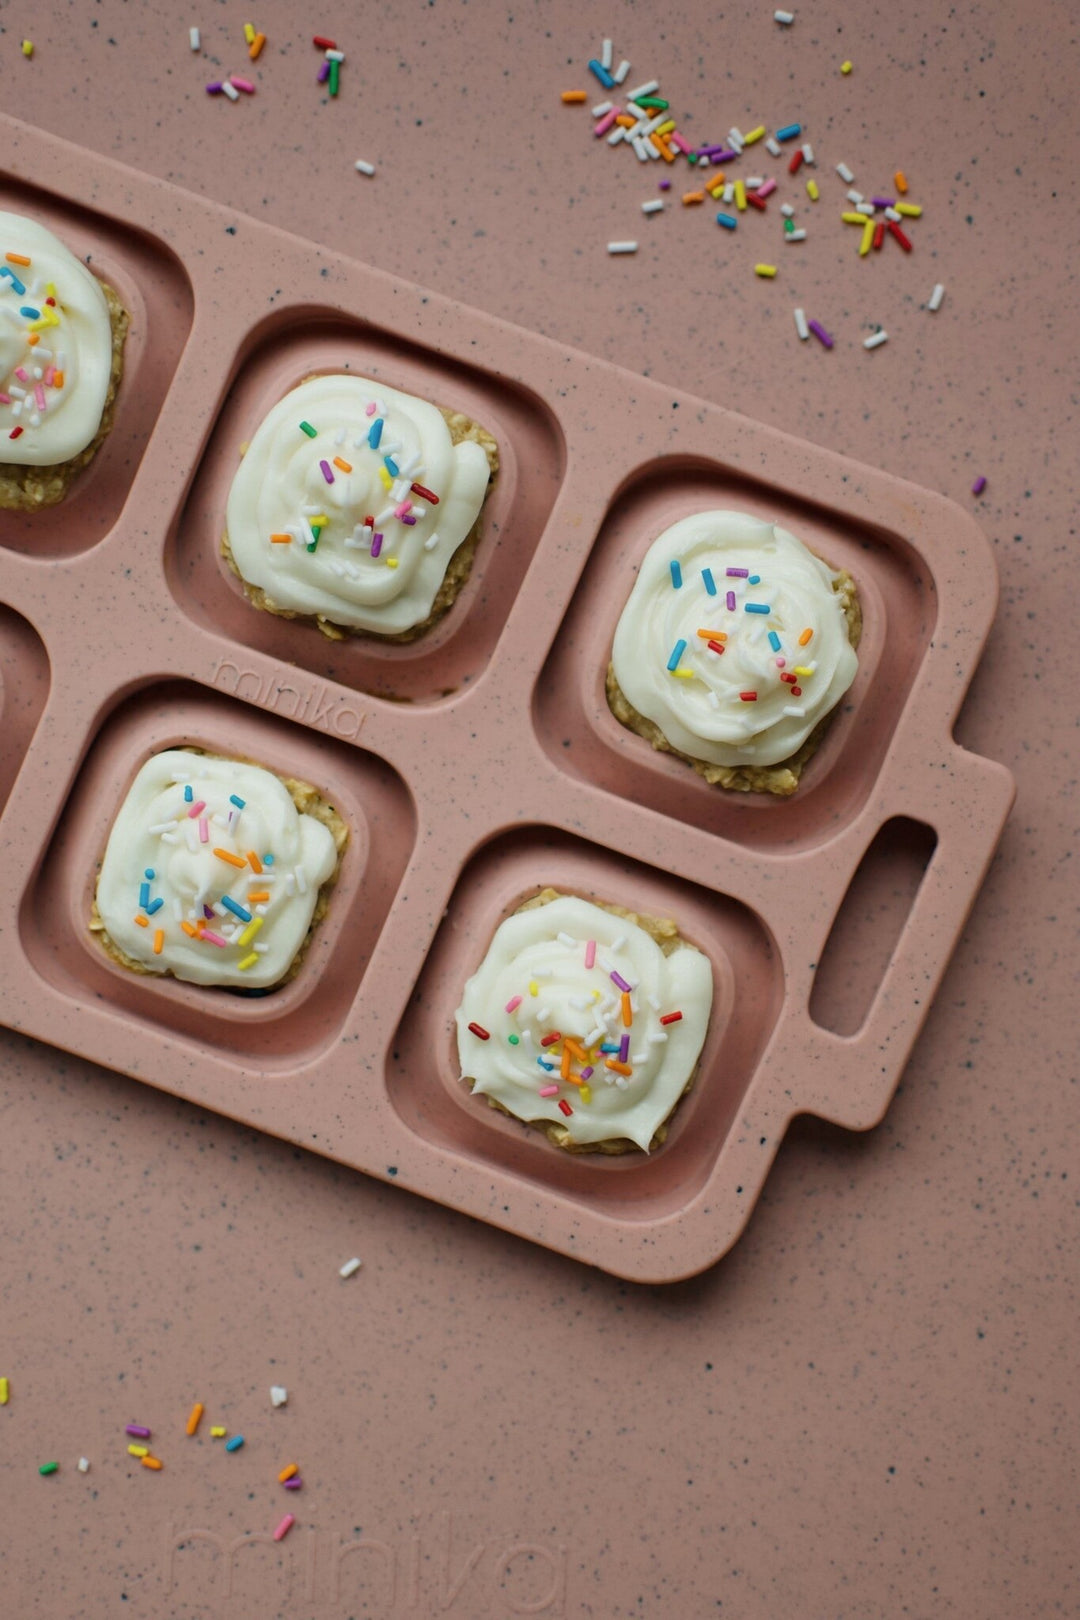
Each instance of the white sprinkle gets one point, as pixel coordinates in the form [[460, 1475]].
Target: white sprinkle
[[622, 247], [639, 1057], [261, 950], [163, 826], [854, 196], [350, 1268], [807, 152], [607, 965], [794, 236], [845, 173], [605, 54], [654, 207], [729, 192], [890, 213], [773, 146], [755, 181], [785, 18], [864, 208], [617, 943], [617, 135], [640, 145], [621, 71], [196, 43], [301, 881], [581, 1003], [290, 883], [335, 56], [601, 108], [621, 1081], [595, 1035], [657, 1038], [876, 341], [543, 1014], [230, 90], [787, 210], [566, 939], [260, 910], [653, 1003], [735, 139], [432, 541], [278, 1396], [794, 710], [178, 908], [83, 1464], [936, 296], [363, 167], [645, 89], [526, 1037], [192, 837], [800, 324]]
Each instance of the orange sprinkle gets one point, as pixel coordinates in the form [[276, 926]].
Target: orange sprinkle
[[662, 147], [288, 1473], [194, 1417], [34, 339], [573, 1079], [620, 1068], [143, 922], [345, 466], [256, 46], [233, 860], [805, 637], [572, 98], [159, 940], [21, 258], [58, 379], [626, 121], [190, 930], [691, 197], [564, 1069], [627, 1010], [713, 635], [255, 898], [573, 1046], [151, 1462], [281, 539], [254, 861], [899, 180], [715, 182]]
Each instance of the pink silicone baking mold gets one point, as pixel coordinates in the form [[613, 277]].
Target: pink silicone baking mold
[[479, 763]]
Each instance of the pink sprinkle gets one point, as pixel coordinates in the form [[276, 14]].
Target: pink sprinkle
[[675, 139], [400, 511], [370, 409], [20, 372], [39, 396], [513, 1004], [204, 830], [590, 953], [213, 939], [242, 84], [284, 1527], [196, 810], [5, 399], [49, 375], [606, 122], [549, 1091], [327, 474], [767, 189]]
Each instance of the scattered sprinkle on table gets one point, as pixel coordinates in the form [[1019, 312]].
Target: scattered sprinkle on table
[[28, 48], [278, 1395], [218, 1431], [876, 340], [284, 1527], [363, 167], [784, 18], [979, 485], [800, 325], [845, 67], [194, 39], [622, 247], [5, 1391], [350, 1268], [936, 296], [48, 1468], [235, 1443], [820, 333], [766, 270], [83, 1465], [194, 1418]]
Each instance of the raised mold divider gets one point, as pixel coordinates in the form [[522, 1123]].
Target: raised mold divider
[[24, 688]]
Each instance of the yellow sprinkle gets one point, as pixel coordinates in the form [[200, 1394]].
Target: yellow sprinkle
[[534, 988], [754, 135], [249, 961], [218, 1433], [683, 674], [585, 1093], [388, 482], [801, 669], [912, 210], [572, 97], [665, 129], [812, 190], [5, 1391], [854, 219], [867, 238], [845, 67], [391, 562], [768, 270], [27, 47], [321, 519], [250, 931], [249, 32], [740, 196], [138, 1451]]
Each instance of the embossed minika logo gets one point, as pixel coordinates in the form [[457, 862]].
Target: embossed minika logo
[[277, 692], [440, 1569]]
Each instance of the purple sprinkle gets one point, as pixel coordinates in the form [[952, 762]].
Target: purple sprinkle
[[731, 601], [737, 573], [617, 979], [409, 520], [214, 89], [979, 485], [323, 73], [586, 1073], [376, 544], [820, 333], [624, 1048], [719, 154], [294, 1484], [208, 911], [138, 1430], [327, 474], [883, 202], [665, 185]]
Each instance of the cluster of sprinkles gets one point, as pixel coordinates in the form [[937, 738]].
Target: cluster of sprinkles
[[743, 618], [642, 120], [233, 84], [231, 922], [380, 533], [33, 309], [623, 1030]]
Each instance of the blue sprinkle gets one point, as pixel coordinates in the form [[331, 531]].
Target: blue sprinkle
[[676, 653], [754, 579], [154, 906], [31, 314], [774, 641], [375, 433], [676, 574], [544, 1064], [789, 132], [149, 873], [728, 221], [144, 895], [16, 284], [268, 860], [602, 74], [608, 1046], [237, 911], [710, 583], [391, 466], [235, 1443], [758, 607], [239, 803], [188, 795]]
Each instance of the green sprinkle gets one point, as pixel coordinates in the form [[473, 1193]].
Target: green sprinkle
[[789, 226], [48, 1468], [653, 101], [335, 68], [306, 427], [514, 1039], [316, 531]]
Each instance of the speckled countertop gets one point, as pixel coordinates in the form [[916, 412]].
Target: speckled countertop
[[869, 1408]]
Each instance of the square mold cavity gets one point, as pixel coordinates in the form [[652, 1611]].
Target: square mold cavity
[[280, 354], [583, 737], [287, 1026], [24, 687], [154, 289], [423, 1071]]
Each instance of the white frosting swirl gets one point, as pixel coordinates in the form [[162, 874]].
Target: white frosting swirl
[[159, 830], [534, 982], [52, 391], [761, 614], [371, 445]]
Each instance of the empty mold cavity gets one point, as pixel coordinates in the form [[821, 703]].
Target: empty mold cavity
[[424, 1075], [280, 354], [24, 686], [868, 925], [300, 1019], [582, 736], [154, 289]]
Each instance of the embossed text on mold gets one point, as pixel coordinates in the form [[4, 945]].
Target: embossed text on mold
[[310, 701]]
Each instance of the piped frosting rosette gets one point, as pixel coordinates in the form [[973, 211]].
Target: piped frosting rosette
[[576, 1016], [350, 502], [733, 641], [55, 347], [210, 872]]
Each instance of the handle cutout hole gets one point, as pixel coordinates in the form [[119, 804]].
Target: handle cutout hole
[[869, 923]]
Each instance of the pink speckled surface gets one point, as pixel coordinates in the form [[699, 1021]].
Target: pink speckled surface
[[868, 1407]]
